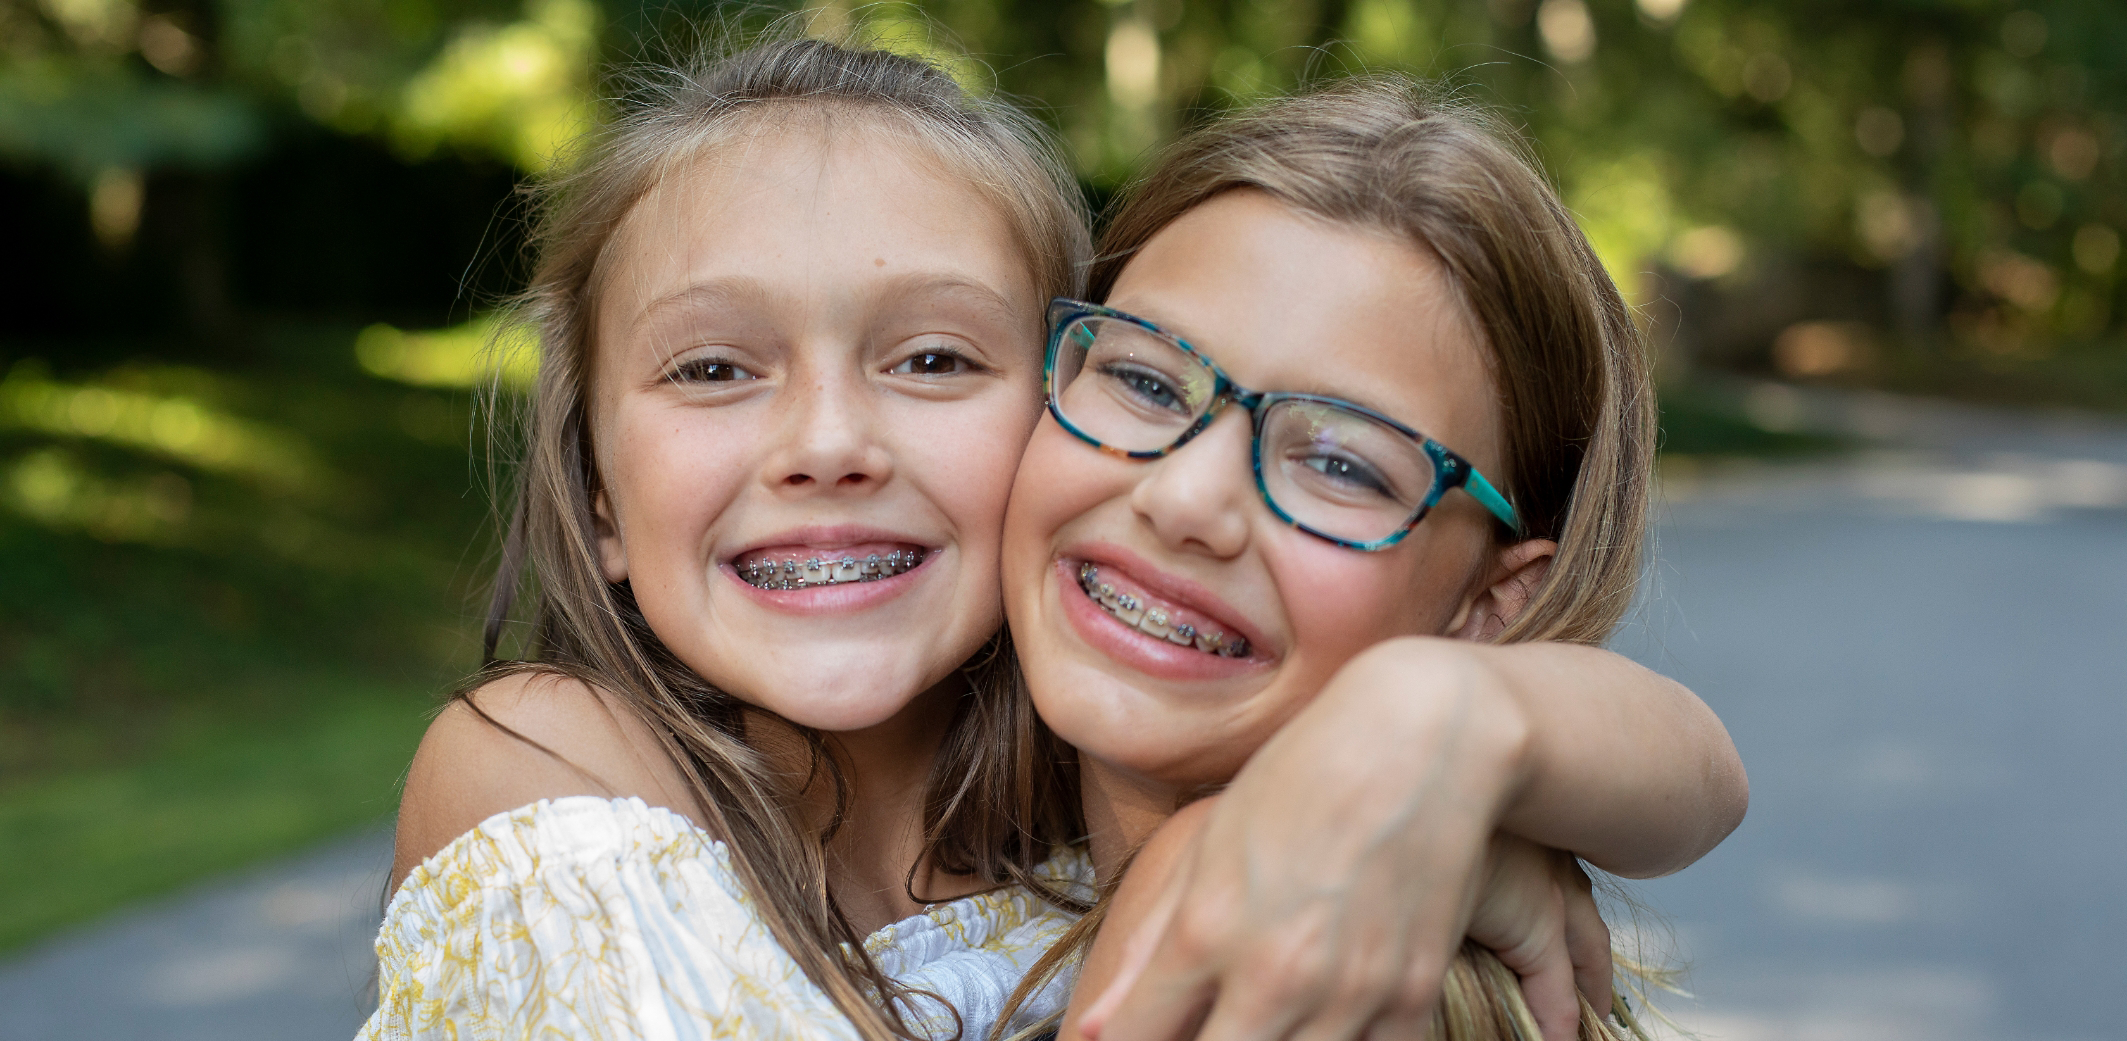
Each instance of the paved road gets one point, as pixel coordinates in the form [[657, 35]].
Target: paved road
[[1923, 657], [1922, 652], [279, 953]]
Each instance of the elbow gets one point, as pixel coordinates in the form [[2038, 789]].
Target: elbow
[[1731, 801]]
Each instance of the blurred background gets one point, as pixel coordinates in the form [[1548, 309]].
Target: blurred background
[[249, 248]]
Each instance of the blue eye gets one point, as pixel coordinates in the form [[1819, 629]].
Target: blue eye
[[1146, 385], [1348, 472]]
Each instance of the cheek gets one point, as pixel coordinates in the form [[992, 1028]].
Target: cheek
[[668, 475], [1341, 602], [967, 462], [1060, 479]]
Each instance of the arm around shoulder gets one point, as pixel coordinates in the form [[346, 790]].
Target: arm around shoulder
[[519, 739], [1619, 764]]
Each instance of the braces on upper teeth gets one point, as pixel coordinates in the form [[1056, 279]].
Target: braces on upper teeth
[[802, 574], [1152, 621]]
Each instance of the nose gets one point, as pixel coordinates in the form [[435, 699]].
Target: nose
[[828, 439], [1197, 498]]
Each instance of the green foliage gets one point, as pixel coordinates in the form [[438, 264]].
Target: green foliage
[[1972, 151], [233, 600]]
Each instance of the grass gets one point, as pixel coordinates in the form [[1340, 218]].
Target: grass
[[233, 599], [222, 790]]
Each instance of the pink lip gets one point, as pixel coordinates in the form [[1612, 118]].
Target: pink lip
[[1140, 651], [825, 541]]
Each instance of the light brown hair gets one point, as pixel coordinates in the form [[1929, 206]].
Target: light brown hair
[[1389, 154], [987, 812]]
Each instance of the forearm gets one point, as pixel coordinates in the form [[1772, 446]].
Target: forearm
[[1619, 764]]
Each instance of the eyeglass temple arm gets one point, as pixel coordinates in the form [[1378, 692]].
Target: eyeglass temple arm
[[1482, 490]]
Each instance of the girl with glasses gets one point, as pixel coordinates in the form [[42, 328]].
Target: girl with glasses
[[763, 769], [1357, 407]]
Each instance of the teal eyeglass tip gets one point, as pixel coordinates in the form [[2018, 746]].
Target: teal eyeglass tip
[[1482, 490]]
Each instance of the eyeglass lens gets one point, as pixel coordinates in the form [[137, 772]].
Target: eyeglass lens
[[1334, 470]]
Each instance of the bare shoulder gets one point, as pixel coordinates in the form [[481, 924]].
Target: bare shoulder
[[517, 740]]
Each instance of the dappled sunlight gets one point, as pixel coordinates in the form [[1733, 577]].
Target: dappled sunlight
[[174, 426], [523, 89], [462, 356], [52, 487], [1625, 208]]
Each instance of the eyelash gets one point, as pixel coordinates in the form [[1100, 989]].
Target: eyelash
[[966, 363], [698, 370]]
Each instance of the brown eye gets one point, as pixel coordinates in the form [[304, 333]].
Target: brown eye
[[710, 371], [931, 363]]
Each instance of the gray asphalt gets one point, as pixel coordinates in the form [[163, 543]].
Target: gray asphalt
[[1922, 655], [280, 952], [1921, 650]]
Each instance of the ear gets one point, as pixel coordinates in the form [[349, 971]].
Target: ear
[[612, 552], [1510, 583]]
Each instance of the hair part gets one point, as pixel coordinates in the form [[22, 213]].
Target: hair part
[[1002, 794]]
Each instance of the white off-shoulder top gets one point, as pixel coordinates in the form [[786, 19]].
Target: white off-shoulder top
[[594, 918]]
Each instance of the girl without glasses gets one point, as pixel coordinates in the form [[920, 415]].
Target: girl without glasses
[[765, 772]]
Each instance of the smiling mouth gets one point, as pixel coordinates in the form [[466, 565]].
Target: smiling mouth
[[817, 571], [1154, 622]]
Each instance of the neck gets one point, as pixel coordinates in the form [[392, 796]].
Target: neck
[[1122, 810], [884, 769]]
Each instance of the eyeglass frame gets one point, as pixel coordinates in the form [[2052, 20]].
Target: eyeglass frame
[[1450, 470]]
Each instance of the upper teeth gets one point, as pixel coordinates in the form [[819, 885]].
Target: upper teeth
[[1153, 622], [815, 571]]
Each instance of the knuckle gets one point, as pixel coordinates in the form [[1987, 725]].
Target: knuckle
[[1419, 988], [1292, 966], [1203, 928]]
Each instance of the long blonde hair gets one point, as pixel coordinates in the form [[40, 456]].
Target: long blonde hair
[[1389, 154], [987, 812]]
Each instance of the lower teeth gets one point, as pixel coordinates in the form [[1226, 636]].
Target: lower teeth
[[1132, 612], [804, 574]]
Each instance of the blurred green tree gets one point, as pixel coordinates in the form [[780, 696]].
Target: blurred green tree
[[1948, 173]]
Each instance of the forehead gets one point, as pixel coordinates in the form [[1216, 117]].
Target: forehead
[[1283, 300], [806, 200]]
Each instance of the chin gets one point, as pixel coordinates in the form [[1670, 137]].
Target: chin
[[842, 709]]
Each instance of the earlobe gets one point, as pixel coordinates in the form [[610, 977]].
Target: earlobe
[[1511, 583], [612, 554]]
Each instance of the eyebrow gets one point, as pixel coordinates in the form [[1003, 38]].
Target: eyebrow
[[737, 290], [715, 292]]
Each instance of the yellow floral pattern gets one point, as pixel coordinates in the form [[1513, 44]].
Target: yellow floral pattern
[[604, 919]]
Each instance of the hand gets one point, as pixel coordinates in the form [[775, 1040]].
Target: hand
[[1336, 876], [1537, 912]]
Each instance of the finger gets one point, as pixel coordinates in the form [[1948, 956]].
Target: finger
[[1137, 956], [1162, 1007], [1400, 1027], [1359, 1008], [1547, 983], [1540, 957], [1587, 939], [1293, 984], [1254, 1010]]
